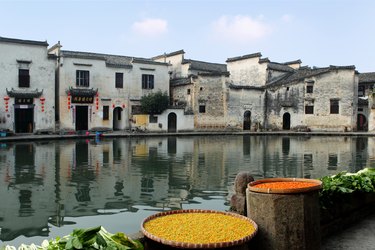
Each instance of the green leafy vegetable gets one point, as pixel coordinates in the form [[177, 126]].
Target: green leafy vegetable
[[90, 238], [345, 183]]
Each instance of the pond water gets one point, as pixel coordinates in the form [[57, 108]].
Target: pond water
[[47, 189]]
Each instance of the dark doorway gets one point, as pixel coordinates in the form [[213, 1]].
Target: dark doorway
[[286, 121], [117, 118], [361, 123], [24, 120], [172, 122], [81, 118], [247, 120]]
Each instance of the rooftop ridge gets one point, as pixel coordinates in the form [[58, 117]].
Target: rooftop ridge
[[177, 52], [238, 58], [22, 41]]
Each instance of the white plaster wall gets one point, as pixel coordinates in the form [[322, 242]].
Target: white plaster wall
[[336, 84], [242, 100], [103, 79], [248, 72], [42, 77], [184, 122], [174, 62], [339, 84]]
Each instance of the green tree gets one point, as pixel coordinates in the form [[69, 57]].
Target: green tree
[[155, 103]]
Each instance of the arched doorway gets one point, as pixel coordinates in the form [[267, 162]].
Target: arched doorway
[[247, 120], [286, 121], [172, 122], [117, 118], [361, 122]]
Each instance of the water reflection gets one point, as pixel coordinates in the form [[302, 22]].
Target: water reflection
[[50, 188]]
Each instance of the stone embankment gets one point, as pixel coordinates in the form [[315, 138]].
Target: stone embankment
[[118, 134]]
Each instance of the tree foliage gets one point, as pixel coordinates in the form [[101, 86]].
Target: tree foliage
[[155, 103]]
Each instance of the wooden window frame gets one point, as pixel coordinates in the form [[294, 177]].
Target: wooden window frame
[[202, 109], [24, 78], [309, 109], [105, 112], [119, 80], [148, 81], [334, 107], [82, 78]]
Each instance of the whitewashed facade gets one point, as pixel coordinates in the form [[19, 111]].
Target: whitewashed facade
[[26, 87], [102, 92], [265, 95], [366, 103], [198, 87], [314, 99]]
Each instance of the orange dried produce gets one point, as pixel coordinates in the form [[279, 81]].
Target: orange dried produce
[[285, 185]]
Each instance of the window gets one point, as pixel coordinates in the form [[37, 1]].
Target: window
[[361, 90], [147, 81], [136, 109], [188, 91], [332, 161], [83, 78], [153, 119], [202, 108], [105, 112], [23, 78], [309, 89], [287, 88], [308, 161], [119, 80], [309, 109], [334, 106]]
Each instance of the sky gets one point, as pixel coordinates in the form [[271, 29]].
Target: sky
[[318, 32]]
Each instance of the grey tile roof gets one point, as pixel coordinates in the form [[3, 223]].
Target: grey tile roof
[[298, 61], [19, 41], [232, 59], [180, 81], [24, 93], [205, 66], [147, 61], [111, 60], [82, 92], [368, 77], [305, 72], [234, 86], [279, 67], [225, 73], [181, 51], [264, 60]]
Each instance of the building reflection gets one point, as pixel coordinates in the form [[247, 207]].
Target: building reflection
[[46, 183]]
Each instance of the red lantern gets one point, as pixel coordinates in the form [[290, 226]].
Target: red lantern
[[68, 93], [97, 107], [123, 105], [42, 109], [113, 106], [42, 99], [6, 98], [6, 106]]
